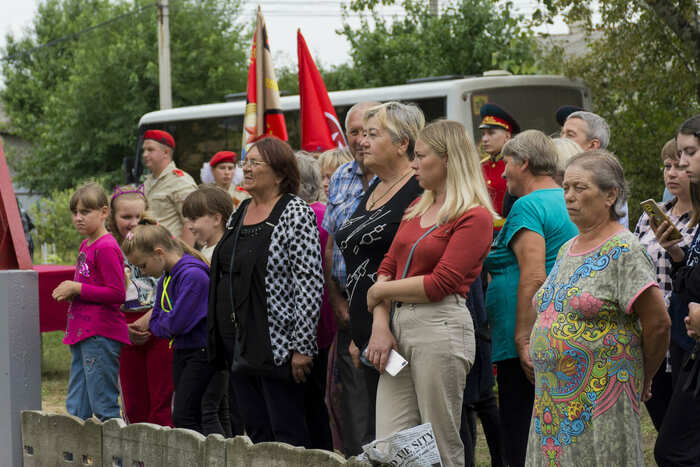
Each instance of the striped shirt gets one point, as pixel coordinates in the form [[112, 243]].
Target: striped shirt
[[344, 193], [659, 256]]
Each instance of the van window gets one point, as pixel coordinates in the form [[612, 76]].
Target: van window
[[196, 141], [534, 107]]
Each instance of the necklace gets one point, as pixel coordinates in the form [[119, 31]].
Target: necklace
[[376, 200]]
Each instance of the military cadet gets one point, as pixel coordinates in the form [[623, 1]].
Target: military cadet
[[497, 126], [166, 186]]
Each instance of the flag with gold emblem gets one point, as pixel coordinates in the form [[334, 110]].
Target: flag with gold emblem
[[263, 113]]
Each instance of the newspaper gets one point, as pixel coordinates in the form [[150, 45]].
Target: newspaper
[[414, 447]]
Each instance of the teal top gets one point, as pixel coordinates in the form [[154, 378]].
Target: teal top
[[543, 212]]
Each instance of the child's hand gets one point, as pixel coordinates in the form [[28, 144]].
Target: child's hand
[[138, 336], [66, 290]]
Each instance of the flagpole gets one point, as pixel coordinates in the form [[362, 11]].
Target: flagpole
[[165, 88]]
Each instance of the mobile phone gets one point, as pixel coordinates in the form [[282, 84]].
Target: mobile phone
[[654, 212], [395, 363]]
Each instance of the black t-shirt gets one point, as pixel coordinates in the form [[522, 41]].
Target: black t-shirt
[[364, 238]]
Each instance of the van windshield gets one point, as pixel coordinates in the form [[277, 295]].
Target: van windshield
[[533, 107]]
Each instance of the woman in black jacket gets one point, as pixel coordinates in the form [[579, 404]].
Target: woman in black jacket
[[678, 443]]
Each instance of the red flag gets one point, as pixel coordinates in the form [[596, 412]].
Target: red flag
[[263, 113], [320, 128]]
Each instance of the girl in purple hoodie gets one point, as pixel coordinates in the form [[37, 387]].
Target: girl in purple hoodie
[[179, 312]]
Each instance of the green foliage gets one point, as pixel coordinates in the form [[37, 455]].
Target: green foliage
[[643, 80], [54, 226], [79, 100], [55, 356], [467, 37]]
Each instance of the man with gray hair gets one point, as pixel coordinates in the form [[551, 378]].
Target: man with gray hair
[[347, 186], [590, 131]]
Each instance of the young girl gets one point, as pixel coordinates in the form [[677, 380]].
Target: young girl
[[330, 161], [179, 312], [95, 329], [207, 211], [145, 365]]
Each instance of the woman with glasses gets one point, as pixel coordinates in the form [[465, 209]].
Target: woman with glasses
[[267, 269]]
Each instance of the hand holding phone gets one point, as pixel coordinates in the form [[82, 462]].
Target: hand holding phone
[[395, 363], [659, 217]]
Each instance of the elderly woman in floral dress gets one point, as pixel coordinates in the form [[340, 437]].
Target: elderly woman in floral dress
[[601, 330]]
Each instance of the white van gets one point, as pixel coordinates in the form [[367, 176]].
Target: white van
[[202, 130]]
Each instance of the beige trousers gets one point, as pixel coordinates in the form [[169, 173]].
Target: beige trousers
[[437, 339]]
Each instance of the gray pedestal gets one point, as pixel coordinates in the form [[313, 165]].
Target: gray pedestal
[[20, 358]]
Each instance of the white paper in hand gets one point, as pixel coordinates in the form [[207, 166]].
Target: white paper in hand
[[395, 363]]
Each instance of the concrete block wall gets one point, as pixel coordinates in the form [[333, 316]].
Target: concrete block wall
[[61, 440]]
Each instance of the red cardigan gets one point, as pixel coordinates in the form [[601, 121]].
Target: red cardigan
[[449, 259]]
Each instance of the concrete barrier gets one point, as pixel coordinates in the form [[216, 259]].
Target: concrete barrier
[[58, 440]]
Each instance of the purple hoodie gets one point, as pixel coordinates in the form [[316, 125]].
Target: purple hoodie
[[188, 292]]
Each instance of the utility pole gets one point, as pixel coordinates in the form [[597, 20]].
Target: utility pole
[[434, 7], [166, 94]]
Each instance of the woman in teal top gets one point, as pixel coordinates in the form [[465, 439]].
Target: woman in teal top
[[526, 247]]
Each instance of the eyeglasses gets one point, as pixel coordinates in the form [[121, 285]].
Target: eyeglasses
[[252, 162]]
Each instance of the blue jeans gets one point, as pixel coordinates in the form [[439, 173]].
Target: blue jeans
[[93, 386]]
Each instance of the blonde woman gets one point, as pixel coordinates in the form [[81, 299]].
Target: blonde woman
[[566, 149], [432, 326]]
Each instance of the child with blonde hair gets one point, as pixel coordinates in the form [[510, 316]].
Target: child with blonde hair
[[144, 366], [179, 312]]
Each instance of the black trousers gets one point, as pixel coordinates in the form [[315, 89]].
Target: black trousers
[[516, 397], [662, 386], [315, 405], [191, 376], [661, 391], [357, 416], [479, 398], [487, 410], [678, 443], [235, 417], [216, 418], [272, 409]]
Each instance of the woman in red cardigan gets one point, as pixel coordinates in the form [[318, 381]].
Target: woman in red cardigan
[[449, 230]]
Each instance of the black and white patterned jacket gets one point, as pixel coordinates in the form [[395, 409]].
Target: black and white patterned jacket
[[293, 281]]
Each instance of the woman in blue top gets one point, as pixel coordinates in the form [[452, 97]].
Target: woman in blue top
[[526, 247]]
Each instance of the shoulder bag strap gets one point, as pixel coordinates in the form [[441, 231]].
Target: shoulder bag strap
[[413, 248], [236, 233], [405, 271]]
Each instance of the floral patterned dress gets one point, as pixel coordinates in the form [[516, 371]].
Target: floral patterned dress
[[587, 352]]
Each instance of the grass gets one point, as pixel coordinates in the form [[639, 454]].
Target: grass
[[55, 367]]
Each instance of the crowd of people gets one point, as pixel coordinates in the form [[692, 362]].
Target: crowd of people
[[269, 300]]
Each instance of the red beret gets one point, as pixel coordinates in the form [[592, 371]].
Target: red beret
[[222, 156], [160, 136]]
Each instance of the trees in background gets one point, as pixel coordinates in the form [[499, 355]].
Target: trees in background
[[468, 37], [644, 75], [79, 100]]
